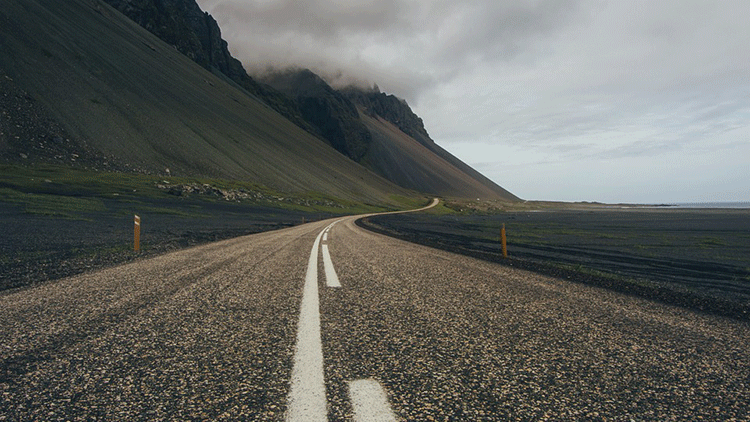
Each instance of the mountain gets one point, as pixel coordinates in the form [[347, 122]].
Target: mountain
[[336, 118], [161, 91], [382, 133], [375, 104], [195, 33], [80, 76], [430, 169], [308, 101]]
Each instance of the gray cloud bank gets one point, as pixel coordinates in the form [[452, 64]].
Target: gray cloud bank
[[408, 46], [596, 84]]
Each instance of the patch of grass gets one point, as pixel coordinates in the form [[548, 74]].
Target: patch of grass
[[442, 209], [145, 209], [61, 181], [67, 181], [52, 205], [315, 202], [409, 203], [711, 242]]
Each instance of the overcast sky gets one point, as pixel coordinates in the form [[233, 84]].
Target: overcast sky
[[613, 101]]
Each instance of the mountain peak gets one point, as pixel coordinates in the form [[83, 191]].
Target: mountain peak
[[391, 108], [336, 117], [137, 101], [297, 81]]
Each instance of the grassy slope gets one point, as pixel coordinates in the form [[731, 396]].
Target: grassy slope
[[71, 192], [127, 94]]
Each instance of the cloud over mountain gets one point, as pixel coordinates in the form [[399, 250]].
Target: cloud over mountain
[[536, 77]]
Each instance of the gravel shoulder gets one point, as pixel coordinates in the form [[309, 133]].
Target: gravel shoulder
[[204, 333], [208, 333], [37, 248]]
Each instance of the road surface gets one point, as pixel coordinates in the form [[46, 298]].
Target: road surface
[[256, 328]]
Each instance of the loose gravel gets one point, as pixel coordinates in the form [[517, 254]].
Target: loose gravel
[[201, 334], [208, 333], [456, 338]]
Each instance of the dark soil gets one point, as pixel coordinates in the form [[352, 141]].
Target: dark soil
[[39, 248], [694, 258]]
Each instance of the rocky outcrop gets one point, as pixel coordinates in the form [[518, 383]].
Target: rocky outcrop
[[335, 117], [379, 131], [179, 23], [391, 108], [239, 195]]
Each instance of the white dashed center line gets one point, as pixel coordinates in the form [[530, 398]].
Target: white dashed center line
[[369, 401], [307, 395], [332, 280]]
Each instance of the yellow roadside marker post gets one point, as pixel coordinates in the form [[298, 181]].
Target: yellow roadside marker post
[[502, 240], [137, 234]]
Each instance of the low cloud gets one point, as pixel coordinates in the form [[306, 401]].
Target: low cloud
[[567, 78], [404, 46]]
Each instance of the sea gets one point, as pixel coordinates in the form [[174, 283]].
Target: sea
[[738, 205]]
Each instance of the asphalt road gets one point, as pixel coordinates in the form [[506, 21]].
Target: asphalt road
[[412, 333]]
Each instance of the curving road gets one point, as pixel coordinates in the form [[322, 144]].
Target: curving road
[[251, 329]]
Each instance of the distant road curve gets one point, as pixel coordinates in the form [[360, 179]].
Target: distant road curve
[[432, 204], [408, 333]]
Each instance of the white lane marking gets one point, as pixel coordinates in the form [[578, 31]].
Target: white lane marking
[[307, 395], [325, 236], [332, 280], [369, 401]]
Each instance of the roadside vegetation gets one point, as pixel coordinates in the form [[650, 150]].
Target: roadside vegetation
[[74, 192], [60, 221]]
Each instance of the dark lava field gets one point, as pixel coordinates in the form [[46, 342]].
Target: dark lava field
[[699, 258]]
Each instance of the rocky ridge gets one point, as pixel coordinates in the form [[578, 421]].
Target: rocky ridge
[[336, 116], [391, 108], [331, 112]]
